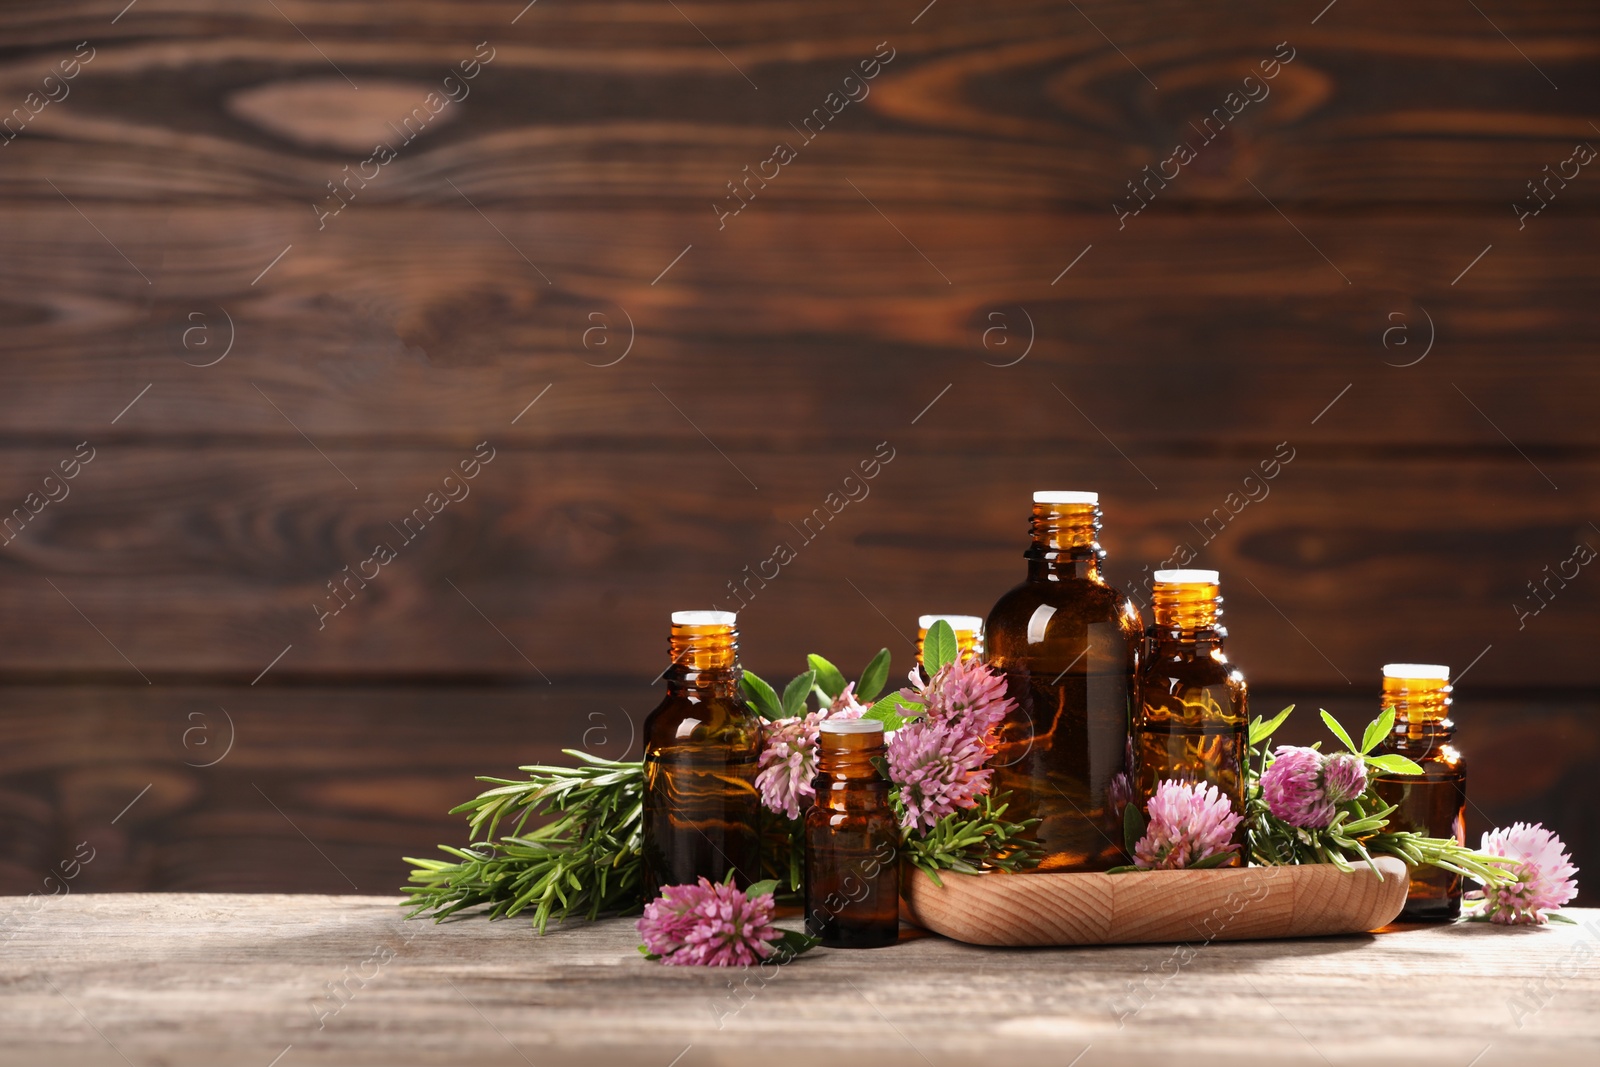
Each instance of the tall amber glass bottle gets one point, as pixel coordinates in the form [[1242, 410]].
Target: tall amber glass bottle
[[852, 841], [1192, 720], [1069, 646], [701, 810], [1434, 802], [968, 630]]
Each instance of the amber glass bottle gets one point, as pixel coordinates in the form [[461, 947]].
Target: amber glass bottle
[[968, 630], [852, 841], [1192, 719], [1434, 802], [701, 810], [1069, 645]]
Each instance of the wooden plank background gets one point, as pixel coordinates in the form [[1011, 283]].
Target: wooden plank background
[[938, 276]]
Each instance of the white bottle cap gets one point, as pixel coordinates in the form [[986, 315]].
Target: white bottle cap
[[851, 726], [1417, 670], [957, 622], [1064, 496], [704, 618], [1188, 577]]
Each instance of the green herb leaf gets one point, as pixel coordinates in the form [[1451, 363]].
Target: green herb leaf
[[758, 888], [792, 942], [795, 693], [829, 680], [894, 711], [874, 677], [1260, 731], [1216, 859], [1557, 917], [1338, 731], [939, 648], [1132, 826], [1377, 730], [1394, 764], [972, 840], [762, 697], [585, 859]]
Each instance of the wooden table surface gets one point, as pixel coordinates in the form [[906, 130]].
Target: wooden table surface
[[180, 979]]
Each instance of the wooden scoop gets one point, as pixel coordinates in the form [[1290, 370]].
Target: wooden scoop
[[1239, 904]]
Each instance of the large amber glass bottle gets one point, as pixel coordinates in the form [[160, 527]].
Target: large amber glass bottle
[[967, 628], [1434, 802], [701, 810], [1069, 646], [852, 841], [1192, 720]]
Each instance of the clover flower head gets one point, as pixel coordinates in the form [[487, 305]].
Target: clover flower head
[[1544, 873], [708, 924], [1189, 822], [937, 759], [1292, 788], [1344, 777], [788, 758]]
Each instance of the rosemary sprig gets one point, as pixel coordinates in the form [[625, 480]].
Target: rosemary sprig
[[973, 840], [586, 861]]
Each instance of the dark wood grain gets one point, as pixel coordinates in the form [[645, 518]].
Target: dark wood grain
[[165, 210], [1181, 335], [566, 564], [246, 785], [1026, 107]]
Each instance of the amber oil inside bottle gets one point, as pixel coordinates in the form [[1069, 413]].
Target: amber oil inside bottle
[[701, 809], [1192, 720], [1434, 802], [852, 878], [967, 628], [1069, 646]]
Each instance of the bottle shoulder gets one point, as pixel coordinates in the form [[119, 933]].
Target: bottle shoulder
[[1071, 601], [686, 719], [1438, 756], [1193, 667]]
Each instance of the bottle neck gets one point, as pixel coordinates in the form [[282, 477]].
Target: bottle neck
[[1187, 615], [1421, 708], [1188, 642], [705, 661], [1065, 543], [847, 776]]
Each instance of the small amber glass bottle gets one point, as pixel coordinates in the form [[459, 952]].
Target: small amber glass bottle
[[701, 810], [852, 841], [1434, 802], [1069, 646], [968, 630], [1192, 722]]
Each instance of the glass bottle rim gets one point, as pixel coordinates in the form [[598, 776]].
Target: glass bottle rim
[[1436, 672], [850, 726]]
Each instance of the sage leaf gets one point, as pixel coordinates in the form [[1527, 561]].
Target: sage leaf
[[939, 648], [795, 693], [874, 677], [1377, 730], [761, 696], [1394, 764], [1338, 731], [829, 680], [1260, 731]]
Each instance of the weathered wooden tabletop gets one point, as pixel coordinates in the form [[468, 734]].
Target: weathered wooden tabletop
[[178, 979]]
